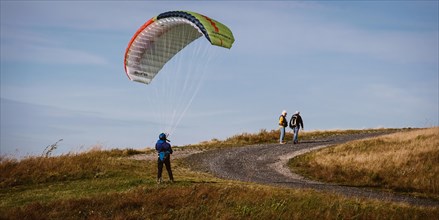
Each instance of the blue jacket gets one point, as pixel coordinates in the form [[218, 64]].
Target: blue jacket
[[163, 146]]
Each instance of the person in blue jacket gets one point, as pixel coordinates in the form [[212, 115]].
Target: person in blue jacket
[[164, 151]]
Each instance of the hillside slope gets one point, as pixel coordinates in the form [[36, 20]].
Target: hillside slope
[[261, 164]]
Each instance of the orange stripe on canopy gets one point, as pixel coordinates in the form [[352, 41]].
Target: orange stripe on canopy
[[132, 40]]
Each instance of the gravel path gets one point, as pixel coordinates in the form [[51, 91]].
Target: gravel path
[[267, 164]]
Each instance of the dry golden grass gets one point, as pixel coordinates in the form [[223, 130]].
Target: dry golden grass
[[110, 185], [404, 161], [34, 170], [272, 136], [217, 201]]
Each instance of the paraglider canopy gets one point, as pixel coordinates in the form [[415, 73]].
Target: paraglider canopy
[[163, 36], [157, 47]]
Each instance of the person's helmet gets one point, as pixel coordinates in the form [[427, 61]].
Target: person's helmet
[[162, 136]]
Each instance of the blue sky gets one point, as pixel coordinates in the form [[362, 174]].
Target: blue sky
[[362, 64]]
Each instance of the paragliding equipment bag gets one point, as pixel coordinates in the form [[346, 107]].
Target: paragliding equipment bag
[[163, 155], [293, 121]]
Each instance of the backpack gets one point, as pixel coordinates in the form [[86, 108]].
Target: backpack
[[293, 122], [282, 121]]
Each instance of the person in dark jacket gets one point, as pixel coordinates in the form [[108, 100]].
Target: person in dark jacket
[[164, 151], [296, 123]]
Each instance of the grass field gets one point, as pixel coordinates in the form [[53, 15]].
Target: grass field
[[111, 185], [403, 162]]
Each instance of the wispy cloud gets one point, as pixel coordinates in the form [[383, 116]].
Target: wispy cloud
[[38, 47], [388, 45], [26, 125], [395, 96], [49, 55], [294, 31]]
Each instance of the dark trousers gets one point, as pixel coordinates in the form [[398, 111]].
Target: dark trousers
[[167, 163]]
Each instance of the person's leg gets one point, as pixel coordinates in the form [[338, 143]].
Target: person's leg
[[168, 168], [159, 170], [296, 135], [282, 134]]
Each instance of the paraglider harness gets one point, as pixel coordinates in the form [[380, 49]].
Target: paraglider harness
[[164, 155]]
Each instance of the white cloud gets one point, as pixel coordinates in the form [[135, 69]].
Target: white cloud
[[406, 106], [49, 55], [24, 45], [26, 126], [299, 31]]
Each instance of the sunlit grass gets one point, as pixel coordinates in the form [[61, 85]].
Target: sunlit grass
[[264, 137], [407, 162], [112, 185]]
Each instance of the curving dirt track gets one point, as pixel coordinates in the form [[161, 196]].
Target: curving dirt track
[[267, 164]]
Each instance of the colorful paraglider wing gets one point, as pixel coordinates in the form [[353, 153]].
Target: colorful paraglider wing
[[160, 38]]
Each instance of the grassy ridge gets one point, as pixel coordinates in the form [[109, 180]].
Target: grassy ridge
[[264, 137], [109, 184], [407, 162]]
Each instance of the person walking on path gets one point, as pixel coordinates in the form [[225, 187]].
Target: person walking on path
[[164, 151], [296, 123], [282, 125]]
